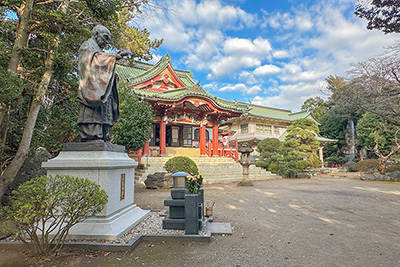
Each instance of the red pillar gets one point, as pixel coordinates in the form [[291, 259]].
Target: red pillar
[[202, 142], [163, 137], [146, 150], [215, 140], [140, 153]]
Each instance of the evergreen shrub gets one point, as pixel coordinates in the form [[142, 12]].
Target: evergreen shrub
[[181, 164], [367, 166], [58, 202]]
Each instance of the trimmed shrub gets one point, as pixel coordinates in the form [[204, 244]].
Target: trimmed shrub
[[274, 167], [367, 166], [268, 149], [181, 164], [58, 202]]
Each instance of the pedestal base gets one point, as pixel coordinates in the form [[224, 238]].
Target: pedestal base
[[245, 183], [108, 228], [110, 167]]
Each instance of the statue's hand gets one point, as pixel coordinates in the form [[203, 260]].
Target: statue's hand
[[123, 53]]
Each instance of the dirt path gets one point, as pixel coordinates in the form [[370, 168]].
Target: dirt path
[[323, 221]]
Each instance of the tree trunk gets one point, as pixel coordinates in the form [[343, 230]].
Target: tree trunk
[[21, 38], [382, 165], [23, 148], [4, 120]]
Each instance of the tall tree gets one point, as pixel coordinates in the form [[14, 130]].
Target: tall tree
[[382, 15], [378, 135], [135, 126], [376, 85], [55, 30], [301, 137], [317, 105]]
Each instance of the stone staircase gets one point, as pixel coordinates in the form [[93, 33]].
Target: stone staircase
[[183, 151], [214, 170]]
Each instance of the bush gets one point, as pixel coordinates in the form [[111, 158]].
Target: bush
[[367, 166], [268, 149], [274, 167], [351, 169], [394, 167], [291, 164], [59, 203], [136, 120], [395, 176], [181, 164], [333, 160]]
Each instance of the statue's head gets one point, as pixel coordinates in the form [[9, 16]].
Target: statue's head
[[101, 35]]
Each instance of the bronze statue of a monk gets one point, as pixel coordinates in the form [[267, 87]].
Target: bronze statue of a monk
[[97, 91]]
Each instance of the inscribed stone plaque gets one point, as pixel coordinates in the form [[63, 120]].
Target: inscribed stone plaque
[[122, 186]]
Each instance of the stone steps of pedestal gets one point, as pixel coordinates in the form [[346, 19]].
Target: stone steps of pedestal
[[214, 170]]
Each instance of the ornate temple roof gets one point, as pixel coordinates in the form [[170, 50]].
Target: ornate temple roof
[[174, 85], [161, 82]]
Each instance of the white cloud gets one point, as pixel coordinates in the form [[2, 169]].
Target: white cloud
[[211, 86], [240, 87], [238, 54], [279, 54], [303, 22], [228, 65], [290, 96], [213, 14], [155, 58], [266, 70], [308, 44], [238, 46], [247, 77]]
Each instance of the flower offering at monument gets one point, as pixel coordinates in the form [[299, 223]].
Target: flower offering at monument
[[194, 183]]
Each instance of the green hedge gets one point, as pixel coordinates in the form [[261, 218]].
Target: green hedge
[[181, 164], [367, 166]]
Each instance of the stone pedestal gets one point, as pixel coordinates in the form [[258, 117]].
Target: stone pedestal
[[110, 167], [185, 211]]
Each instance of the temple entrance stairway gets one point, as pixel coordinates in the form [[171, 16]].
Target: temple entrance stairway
[[213, 169]]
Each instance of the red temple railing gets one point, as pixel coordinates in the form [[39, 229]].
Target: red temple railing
[[229, 151]]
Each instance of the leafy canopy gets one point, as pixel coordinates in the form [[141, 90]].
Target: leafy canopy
[[382, 15], [135, 125], [301, 138], [268, 149]]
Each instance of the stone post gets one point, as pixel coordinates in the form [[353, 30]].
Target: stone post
[[191, 214]]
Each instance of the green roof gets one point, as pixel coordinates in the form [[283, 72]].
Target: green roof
[[141, 71], [275, 113], [138, 72]]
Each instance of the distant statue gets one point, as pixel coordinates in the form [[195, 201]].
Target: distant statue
[[97, 91]]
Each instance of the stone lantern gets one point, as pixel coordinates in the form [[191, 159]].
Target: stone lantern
[[185, 210], [179, 181], [245, 161]]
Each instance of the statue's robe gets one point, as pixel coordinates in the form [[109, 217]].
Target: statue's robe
[[97, 92]]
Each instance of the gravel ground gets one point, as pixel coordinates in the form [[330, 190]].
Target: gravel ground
[[323, 221]]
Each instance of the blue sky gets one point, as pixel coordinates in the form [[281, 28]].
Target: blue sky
[[271, 53]]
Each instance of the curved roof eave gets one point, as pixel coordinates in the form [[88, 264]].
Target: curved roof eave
[[215, 102]]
